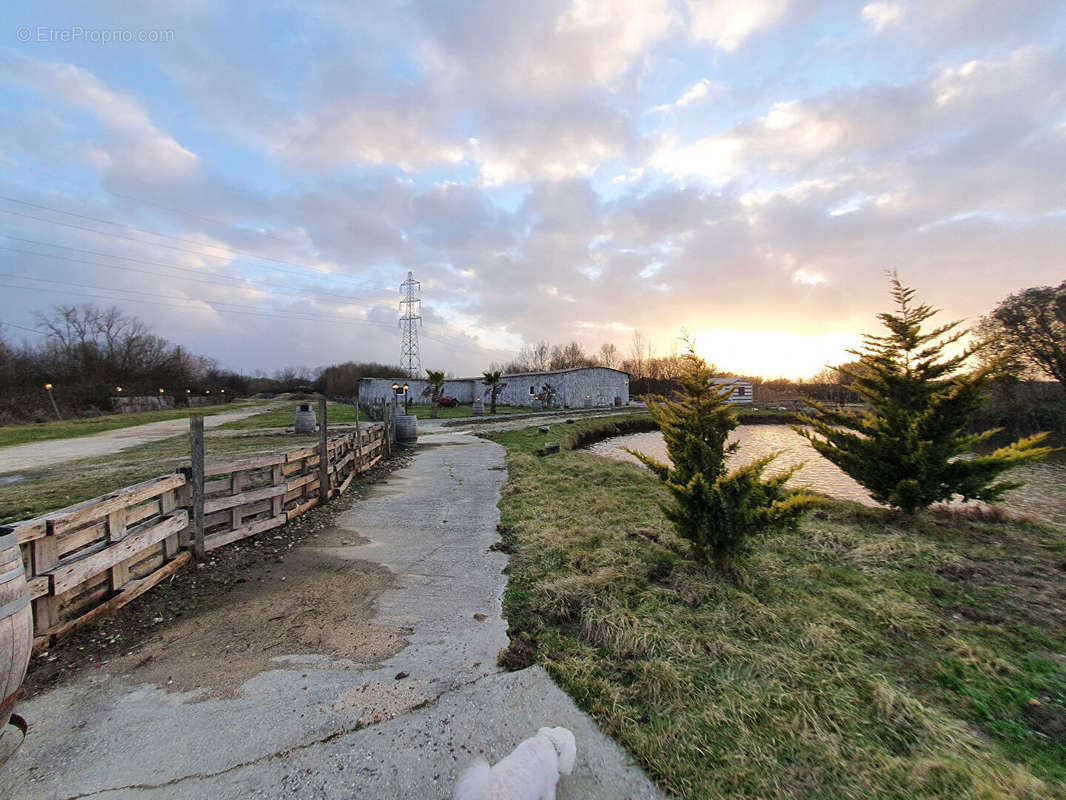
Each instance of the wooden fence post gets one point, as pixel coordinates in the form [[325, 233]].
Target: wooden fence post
[[323, 454], [358, 437], [385, 426], [196, 457]]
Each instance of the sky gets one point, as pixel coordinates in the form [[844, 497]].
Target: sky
[[255, 179]]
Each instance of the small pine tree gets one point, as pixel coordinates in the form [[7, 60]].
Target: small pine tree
[[911, 449], [716, 510]]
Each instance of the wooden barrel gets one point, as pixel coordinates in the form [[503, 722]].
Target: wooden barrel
[[16, 624], [406, 427], [304, 421]]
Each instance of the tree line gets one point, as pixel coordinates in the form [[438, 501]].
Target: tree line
[[87, 352]]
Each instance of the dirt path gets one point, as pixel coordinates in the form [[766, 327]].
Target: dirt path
[[36, 455]]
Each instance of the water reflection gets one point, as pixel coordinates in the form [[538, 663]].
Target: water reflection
[[1043, 498]]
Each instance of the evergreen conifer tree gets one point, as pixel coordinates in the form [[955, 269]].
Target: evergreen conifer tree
[[912, 448], [716, 510]]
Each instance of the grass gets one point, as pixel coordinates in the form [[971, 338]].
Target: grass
[[863, 655], [345, 412], [283, 417], [66, 429], [51, 488]]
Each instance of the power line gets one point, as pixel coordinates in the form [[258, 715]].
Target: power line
[[299, 267], [220, 282], [103, 221], [261, 314], [143, 201], [164, 296], [21, 327]]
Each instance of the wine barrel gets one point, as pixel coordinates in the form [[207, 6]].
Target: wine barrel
[[304, 421], [16, 624], [406, 427]]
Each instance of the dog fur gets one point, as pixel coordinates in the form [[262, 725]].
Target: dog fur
[[530, 772]]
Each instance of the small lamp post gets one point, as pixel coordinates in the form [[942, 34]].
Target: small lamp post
[[395, 397], [48, 388], [162, 391], [118, 389], [406, 398]]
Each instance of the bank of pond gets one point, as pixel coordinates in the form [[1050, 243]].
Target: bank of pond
[[1042, 498]]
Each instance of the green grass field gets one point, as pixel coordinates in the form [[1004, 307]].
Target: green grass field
[[66, 429], [863, 655], [345, 412], [282, 416]]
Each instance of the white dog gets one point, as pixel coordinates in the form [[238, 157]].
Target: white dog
[[530, 772]]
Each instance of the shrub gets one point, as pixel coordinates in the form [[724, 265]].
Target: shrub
[[913, 448], [716, 510]]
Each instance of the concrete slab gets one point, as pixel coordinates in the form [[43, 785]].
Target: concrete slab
[[319, 726], [420, 755]]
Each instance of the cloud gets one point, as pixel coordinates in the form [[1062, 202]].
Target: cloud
[[539, 49], [476, 146], [882, 15], [728, 24], [524, 140], [693, 94], [142, 145]]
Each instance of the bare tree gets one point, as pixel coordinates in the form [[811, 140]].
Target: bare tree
[[637, 347], [104, 345], [609, 356]]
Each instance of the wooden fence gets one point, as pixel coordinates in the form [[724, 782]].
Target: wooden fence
[[90, 559]]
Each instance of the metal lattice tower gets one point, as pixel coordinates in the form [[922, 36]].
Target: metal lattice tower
[[410, 313]]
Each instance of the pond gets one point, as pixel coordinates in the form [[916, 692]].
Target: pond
[[1043, 498]]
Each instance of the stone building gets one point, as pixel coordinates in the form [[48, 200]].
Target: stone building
[[740, 390], [575, 388]]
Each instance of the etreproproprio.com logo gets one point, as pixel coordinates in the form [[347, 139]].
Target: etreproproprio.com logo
[[49, 34]]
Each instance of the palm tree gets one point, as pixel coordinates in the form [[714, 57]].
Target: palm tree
[[435, 389], [547, 395], [492, 380]]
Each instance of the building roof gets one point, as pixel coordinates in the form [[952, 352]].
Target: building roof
[[555, 372]]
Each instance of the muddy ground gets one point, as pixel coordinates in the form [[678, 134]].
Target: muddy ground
[[215, 625]]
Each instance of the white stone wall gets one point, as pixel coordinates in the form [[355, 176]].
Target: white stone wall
[[372, 390], [599, 383], [572, 386]]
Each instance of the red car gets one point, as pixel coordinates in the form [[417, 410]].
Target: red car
[[448, 402]]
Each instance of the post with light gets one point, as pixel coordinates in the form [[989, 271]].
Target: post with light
[[48, 388]]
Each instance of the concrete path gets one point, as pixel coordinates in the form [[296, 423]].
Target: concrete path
[[318, 727], [36, 455]]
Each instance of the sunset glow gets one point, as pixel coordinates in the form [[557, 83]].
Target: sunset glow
[[572, 170], [774, 353]]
